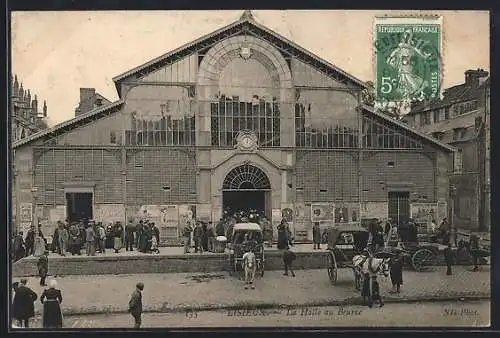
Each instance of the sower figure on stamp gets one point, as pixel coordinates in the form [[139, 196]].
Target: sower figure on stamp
[[135, 305], [250, 266]]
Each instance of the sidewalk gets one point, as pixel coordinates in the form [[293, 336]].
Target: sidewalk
[[171, 251], [184, 291]]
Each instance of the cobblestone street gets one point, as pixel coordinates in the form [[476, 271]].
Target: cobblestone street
[[471, 314], [176, 292]]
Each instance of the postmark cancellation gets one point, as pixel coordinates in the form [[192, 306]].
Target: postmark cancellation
[[407, 60]]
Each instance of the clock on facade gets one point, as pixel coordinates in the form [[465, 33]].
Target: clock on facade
[[247, 141]]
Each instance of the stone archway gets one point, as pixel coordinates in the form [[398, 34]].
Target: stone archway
[[246, 187], [220, 55]]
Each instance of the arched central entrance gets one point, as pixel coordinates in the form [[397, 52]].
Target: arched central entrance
[[246, 188]]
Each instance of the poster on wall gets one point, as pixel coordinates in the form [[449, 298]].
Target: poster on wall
[[168, 221], [107, 213], [442, 211], [378, 210], [423, 214], [302, 221], [322, 212], [25, 212], [186, 213]]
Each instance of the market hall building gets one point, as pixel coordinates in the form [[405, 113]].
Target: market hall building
[[240, 118]]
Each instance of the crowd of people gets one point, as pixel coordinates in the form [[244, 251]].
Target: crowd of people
[[89, 237]]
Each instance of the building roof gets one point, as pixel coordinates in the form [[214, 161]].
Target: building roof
[[151, 66], [458, 93], [220, 34], [72, 123], [412, 130]]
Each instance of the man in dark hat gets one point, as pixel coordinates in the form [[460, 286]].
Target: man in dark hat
[[448, 257], [30, 241], [135, 304], [24, 303], [43, 267], [474, 251]]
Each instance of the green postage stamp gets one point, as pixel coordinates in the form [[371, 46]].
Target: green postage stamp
[[407, 60]]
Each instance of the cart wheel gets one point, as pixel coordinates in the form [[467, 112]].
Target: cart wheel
[[332, 268], [423, 259]]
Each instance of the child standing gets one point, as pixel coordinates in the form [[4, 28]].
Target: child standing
[[43, 267], [396, 271]]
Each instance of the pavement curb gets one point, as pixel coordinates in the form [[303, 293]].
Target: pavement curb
[[272, 305]]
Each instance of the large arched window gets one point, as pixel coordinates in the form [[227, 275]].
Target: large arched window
[[248, 100], [160, 115], [325, 119]]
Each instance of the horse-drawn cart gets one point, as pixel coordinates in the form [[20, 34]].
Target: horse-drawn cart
[[244, 237], [421, 256], [344, 242]]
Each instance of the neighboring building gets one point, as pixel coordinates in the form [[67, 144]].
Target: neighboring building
[[461, 119], [240, 118], [90, 100], [26, 119]]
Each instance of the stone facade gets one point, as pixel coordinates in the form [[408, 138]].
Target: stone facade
[[165, 149], [461, 119]]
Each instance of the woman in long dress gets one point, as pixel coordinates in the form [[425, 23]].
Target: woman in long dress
[[51, 299], [118, 234]]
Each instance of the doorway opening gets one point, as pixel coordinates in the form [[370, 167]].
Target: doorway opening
[[399, 206], [79, 206], [247, 189]]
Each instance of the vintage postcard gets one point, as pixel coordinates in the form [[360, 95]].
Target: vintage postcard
[[191, 169]]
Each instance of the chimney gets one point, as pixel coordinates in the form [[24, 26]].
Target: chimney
[[44, 108], [86, 104], [86, 93], [472, 76]]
